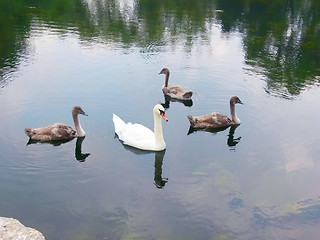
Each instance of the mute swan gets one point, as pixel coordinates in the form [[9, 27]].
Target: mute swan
[[58, 131], [174, 91], [217, 120], [139, 136]]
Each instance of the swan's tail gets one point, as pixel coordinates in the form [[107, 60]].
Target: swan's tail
[[192, 120], [118, 123], [29, 132], [187, 95]]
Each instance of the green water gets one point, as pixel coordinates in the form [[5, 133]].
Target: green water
[[256, 181]]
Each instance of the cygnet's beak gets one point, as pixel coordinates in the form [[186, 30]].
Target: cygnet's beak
[[83, 113]]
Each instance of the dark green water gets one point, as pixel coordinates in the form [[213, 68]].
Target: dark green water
[[257, 181]]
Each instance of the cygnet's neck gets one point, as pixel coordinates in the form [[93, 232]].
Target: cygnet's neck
[[80, 131], [158, 130], [167, 79], [234, 117]]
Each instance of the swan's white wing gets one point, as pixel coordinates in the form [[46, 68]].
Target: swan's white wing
[[135, 135], [118, 123]]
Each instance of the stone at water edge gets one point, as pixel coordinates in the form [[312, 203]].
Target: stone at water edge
[[12, 229]]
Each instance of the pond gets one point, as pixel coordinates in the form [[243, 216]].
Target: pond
[[259, 180]]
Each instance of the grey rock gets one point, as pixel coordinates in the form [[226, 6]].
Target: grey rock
[[12, 229]]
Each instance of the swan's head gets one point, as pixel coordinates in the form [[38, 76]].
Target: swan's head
[[159, 109], [78, 110], [164, 71], [235, 100]]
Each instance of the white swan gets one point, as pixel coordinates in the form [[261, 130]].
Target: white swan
[[139, 136], [217, 120], [58, 131]]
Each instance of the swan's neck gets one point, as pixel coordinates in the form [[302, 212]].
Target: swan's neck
[[80, 131], [158, 129], [167, 79], [234, 117]]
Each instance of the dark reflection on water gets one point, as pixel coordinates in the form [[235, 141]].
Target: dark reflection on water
[[236, 203], [231, 140], [211, 130], [81, 157], [54, 143], [167, 100], [159, 181], [281, 39], [14, 32]]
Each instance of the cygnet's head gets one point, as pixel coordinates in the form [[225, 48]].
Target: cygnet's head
[[159, 109], [235, 100], [164, 71], [78, 110]]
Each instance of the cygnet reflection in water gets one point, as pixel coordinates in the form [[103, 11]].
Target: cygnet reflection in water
[[54, 143], [167, 100], [231, 141], [81, 157]]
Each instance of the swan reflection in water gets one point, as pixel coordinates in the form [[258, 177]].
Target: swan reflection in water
[[81, 157], [168, 99], [231, 141], [159, 181]]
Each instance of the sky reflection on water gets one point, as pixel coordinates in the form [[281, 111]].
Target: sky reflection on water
[[205, 185]]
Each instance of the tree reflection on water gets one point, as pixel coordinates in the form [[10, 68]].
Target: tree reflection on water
[[281, 39]]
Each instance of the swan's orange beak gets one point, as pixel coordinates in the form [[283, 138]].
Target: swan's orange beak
[[164, 116]]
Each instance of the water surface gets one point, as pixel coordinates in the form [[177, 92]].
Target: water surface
[[256, 181]]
